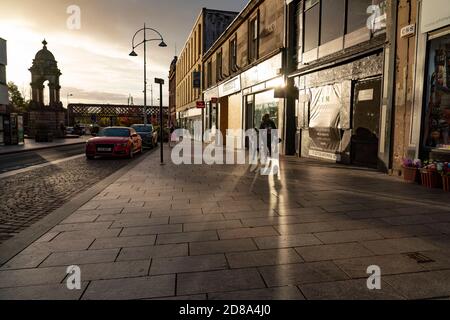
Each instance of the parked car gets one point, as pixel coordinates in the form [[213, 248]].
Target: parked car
[[114, 142], [70, 130], [148, 134]]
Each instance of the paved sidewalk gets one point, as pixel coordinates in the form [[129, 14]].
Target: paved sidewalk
[[31, 145], [224, 232]]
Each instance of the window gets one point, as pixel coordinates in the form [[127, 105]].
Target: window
[[437, 116], [200, 45], [253, 39], [357, 14], [209, 75], [233, 54], [219, 68], [333, 20], [312, 24]]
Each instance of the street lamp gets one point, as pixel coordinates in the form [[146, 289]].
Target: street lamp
[[133, 53], [161, 126]]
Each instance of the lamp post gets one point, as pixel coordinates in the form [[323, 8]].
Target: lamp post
[[68, 110], [162, 44], [161, 119]]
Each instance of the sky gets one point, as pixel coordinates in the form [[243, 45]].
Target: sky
[[94, 58]]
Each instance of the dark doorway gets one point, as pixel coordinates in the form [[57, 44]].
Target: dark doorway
[[366, 123]]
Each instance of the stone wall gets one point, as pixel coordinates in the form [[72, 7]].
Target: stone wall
[[52, 118]]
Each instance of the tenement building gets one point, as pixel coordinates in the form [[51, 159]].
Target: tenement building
[[209, 25], [422, 83], [243, 71]]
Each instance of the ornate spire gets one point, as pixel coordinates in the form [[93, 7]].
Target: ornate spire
[[44, 43]]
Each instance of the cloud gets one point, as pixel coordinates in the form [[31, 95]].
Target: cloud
[[94, 60]]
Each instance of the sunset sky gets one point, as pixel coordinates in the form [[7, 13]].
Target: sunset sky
[[94, 60]]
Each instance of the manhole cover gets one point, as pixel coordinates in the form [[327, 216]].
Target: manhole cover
[[420, 258]]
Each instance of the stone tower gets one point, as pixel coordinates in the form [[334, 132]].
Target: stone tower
[[45, 121], [45, 68]]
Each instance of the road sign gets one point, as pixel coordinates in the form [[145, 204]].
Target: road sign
[[200, 104]]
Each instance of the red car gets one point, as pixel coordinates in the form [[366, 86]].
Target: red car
[[114, 142]]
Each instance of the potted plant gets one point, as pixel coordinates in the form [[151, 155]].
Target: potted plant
[[410, 169], [430, 175], [446, 177]]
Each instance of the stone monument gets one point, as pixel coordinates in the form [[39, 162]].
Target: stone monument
[[45, 121]]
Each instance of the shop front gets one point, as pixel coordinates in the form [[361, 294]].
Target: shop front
[[340, 118], [431, 116], [191, 120], [229, 109], [262, 85], [436, 128]]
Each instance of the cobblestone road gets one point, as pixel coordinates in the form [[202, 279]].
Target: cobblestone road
[[27, 197]]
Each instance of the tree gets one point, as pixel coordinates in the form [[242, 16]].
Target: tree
[[16, 98]]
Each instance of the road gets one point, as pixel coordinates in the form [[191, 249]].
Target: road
[[26, 159], [26, 196]]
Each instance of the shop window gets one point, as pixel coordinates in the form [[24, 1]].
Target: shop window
[[333, 20], [298, 27], [233, 54], [357, 14], [437, 116], [253, 39], [311, 24], [265, 103]]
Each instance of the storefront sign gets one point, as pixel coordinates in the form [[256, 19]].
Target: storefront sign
[[325, 139], [230, 87], [435, 15], [365, 95], [200, 104], [266, 70], [211, 94], [408, 31]]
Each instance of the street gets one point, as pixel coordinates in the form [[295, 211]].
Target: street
[[225, 232], [21, 160], [28, 196]]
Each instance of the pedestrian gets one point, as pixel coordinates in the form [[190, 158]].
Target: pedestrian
[[269, 125], [173, 136]]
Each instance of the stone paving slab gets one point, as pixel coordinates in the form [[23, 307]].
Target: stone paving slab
[[280, 293], [184, 232], [131, 288], [348, 290]]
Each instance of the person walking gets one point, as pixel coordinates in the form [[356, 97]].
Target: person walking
[[269, 125], [172, 137]]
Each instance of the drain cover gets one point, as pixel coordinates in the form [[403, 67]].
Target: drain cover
[[420, 258]]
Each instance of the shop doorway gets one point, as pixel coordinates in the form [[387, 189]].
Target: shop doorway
[[366, 123]]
